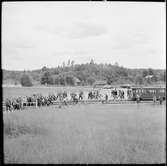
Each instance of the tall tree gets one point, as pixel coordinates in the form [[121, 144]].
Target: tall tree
[[139, 80], [145, 73], [45, 79], [63, 64], [150, 71], [91, 61], [69, 80], [44, 69], [90, 80], [72, 63], [25, 80], [116, 64], [69, 63]]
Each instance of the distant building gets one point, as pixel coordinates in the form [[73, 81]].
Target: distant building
[[76, 81], [107, 87], [149, 76], [126, 85], [100, 83]]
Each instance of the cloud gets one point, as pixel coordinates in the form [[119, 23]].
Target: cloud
[[19, 42], [75, 30], [21, 45], [81, 52], [73, 53], [83, 59], [131, 40], [63, 32], [9, 50], [84, 30], [51, 29]]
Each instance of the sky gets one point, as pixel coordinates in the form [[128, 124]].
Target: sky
[[37, 34]]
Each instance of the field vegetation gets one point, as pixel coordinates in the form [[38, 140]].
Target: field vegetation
[[95, 133], [85, 74]]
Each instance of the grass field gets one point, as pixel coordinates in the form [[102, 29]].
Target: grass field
[[27, 91], [95, 133]]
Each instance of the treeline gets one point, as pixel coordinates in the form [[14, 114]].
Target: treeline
[[86, 74]]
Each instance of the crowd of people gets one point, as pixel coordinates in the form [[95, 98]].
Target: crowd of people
[[64, 98]]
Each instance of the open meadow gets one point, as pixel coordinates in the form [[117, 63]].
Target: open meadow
[[83, 83], [95, 133], [9, 92]]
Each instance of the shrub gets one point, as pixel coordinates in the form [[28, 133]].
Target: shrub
[[69, 80], [25, 80], [90, 80], [46, 78]]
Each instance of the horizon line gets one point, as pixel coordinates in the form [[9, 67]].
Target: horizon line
[[84, 64]]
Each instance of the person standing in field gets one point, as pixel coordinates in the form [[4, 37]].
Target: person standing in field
[[80, 95], [137, 98], [116, 94], [160, 99], [154, 98], [106, 98]]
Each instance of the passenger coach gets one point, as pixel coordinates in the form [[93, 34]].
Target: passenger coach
[[147, 93]]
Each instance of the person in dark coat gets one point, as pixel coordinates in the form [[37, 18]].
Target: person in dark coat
[[106, 98], [138, 98], [160, 99]]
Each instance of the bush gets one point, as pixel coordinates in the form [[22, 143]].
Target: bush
[[139, 80], [90, 80], [70, 80], [56, 80], [46, 78], [25, 80]]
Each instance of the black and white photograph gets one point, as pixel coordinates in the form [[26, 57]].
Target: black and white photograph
[[83, 82]]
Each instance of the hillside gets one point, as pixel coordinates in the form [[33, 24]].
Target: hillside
[[87, 74]]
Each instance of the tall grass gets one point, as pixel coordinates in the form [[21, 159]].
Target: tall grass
[[18, 125], [86, 134]]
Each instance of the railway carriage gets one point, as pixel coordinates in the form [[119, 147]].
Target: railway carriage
[[147, 93]]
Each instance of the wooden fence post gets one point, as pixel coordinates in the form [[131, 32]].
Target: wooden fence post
[[4, 106], [36, 103], [21, 104]]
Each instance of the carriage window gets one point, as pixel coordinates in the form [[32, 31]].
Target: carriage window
[[144, 91], [162, 91], [147, 91], [152, 91]]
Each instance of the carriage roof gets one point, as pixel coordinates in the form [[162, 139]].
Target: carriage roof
[[151, 87]]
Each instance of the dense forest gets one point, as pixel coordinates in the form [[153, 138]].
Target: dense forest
[[85, 74]]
